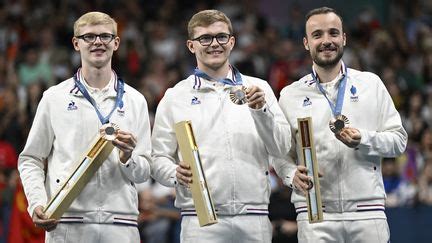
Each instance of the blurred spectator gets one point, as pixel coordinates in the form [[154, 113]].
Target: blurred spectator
[[159, 220], [164, 42], [11, 120], [33, 96], [412, 118], [284, 69], [427, 67], [282, 215], [399, 192], [33, 70], [425, 184], [426, 112], [389, 79]]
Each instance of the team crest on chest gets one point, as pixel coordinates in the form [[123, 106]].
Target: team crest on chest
[[354, 97]]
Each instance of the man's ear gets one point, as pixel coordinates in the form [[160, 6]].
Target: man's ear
[[75, 43], [305, 43], [232, 41], [116, 43], [190, 46]]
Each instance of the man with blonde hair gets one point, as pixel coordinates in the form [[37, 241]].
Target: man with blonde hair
[[238, 126], [69, 116]]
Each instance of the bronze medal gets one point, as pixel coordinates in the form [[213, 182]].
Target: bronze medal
[[238, 95], [109, 131], [338, 124]]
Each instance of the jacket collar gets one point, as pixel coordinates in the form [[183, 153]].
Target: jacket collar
[[112, 85]]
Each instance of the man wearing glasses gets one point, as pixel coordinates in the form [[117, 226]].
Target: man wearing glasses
[[68, 118], [237, 125]]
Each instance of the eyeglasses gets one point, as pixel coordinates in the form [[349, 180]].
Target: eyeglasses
[[206, 40], [91, 38]]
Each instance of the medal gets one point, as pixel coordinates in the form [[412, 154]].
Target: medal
[[338, 124], [340, 121], [109, 131], [238, 94]]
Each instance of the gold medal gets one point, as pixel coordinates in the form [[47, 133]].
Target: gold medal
[[338, 124], [238, 95], [109, 131]]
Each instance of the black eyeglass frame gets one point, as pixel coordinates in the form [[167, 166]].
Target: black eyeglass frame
[[199, 38], [83, 37]]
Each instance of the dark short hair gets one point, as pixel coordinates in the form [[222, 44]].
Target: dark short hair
[[322, 10]]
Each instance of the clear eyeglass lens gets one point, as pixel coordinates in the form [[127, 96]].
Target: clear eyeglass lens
[[222, 39], [206, 40], [104, 37]]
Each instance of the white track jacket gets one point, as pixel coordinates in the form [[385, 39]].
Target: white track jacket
[[352, 180], [63, 129], [234, 141]]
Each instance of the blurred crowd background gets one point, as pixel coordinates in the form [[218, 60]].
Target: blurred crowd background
[[390, 38]]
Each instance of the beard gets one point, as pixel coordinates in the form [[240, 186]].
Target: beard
[[328, 62]]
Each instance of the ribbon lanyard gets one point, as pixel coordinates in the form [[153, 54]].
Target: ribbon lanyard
[[335, 108], [118, 102], [236, 80]]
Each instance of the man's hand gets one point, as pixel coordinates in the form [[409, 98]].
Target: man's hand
[[255, 97], [302, 181], [349, 136], [42, 221], [126, 142], [184, 174]]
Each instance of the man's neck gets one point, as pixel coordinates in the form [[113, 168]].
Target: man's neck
[[218, 73], [327, 74], [97, 77]]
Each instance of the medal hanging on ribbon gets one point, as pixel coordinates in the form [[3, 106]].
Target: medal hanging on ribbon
[[237, 91], [109, 131], [118, 102], [339, 121], [338, 124]]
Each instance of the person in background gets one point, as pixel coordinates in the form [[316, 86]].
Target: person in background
[[425, 184]]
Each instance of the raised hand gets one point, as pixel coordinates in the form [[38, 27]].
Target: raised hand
[[126, 142], [255, 97], [349, 136]]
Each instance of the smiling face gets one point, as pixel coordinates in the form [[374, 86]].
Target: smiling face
[[97, 54], [325, 39], [215, 56]]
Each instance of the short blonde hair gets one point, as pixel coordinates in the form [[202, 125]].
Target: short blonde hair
[[94, 18], [207, 17]]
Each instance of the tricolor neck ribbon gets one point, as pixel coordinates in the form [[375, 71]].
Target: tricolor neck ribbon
[[336, 108], [119, 97], [236, 77]]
